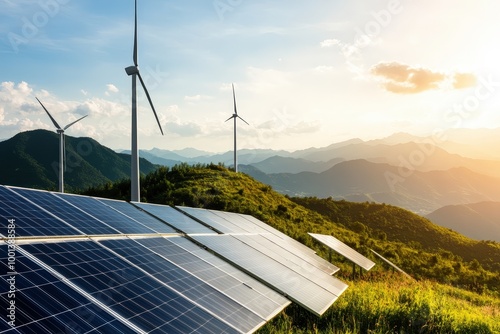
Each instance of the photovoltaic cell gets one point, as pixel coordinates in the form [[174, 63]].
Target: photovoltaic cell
[[344, 250], [67, 212], [246, 292], [298, 288], [127, 290], [186, 284], [175, 218], [44, 304], [29, 219], [104, 213], [138, 215]]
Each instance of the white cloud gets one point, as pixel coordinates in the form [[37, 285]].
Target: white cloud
[[329, 43], [195, 98], [112, 88]]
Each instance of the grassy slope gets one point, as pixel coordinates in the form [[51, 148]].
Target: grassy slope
[[378, 302]]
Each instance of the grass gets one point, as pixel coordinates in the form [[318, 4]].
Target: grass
[[393, 304]]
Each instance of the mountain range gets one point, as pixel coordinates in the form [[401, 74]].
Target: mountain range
[[31, 159], [420, 174]]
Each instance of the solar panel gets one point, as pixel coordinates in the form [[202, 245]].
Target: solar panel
[[308, 256], [230, 270], [240, 221], [187, 284], [127, 290], [106, 214], [28, 218], [290, 241], [344, 250], [218, 223], [298, 288], [138, 215], [175, 218], [44, 304], [69, 213], [208, 268], [293, 262]]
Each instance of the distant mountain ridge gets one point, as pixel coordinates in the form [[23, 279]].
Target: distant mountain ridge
[[479, 221], [362, 180], [31, 159]]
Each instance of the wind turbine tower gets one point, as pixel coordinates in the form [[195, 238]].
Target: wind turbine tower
[[62, 145], [134, 72], [235, 115]]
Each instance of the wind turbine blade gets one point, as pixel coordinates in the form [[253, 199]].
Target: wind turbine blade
[[70, 124], [135, 34], [242, 119], [51, 118], [229, 118], [234, 99], [150, 101]]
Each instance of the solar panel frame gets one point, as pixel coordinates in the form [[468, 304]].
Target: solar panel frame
[[344, 250], [30, 219], [175, 218], [296, 287]]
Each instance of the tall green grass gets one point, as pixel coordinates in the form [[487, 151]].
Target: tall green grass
[[394, 304]]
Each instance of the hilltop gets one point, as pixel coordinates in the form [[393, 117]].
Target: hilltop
[[422, 248]]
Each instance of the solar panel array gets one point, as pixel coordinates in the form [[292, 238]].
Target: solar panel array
[[93, 265], [341, 248]]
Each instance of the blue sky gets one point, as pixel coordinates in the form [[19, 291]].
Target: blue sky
[[306, 73]]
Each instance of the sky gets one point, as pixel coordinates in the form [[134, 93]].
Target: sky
[[306, 73]]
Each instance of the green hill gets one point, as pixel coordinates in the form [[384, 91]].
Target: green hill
[[379, 302], [31, 159]]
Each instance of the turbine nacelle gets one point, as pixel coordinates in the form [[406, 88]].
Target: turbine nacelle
[[132, 70]]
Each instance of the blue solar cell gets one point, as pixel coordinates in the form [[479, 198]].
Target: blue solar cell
[[186, 284], [127, 290], [139, 215], [106, 214], [244, 290], [175, 218], [67, 212], [28, 218], [44, 304]]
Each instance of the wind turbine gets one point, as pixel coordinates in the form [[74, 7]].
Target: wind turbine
[[134, 72], [235, 115], [62, 145]]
